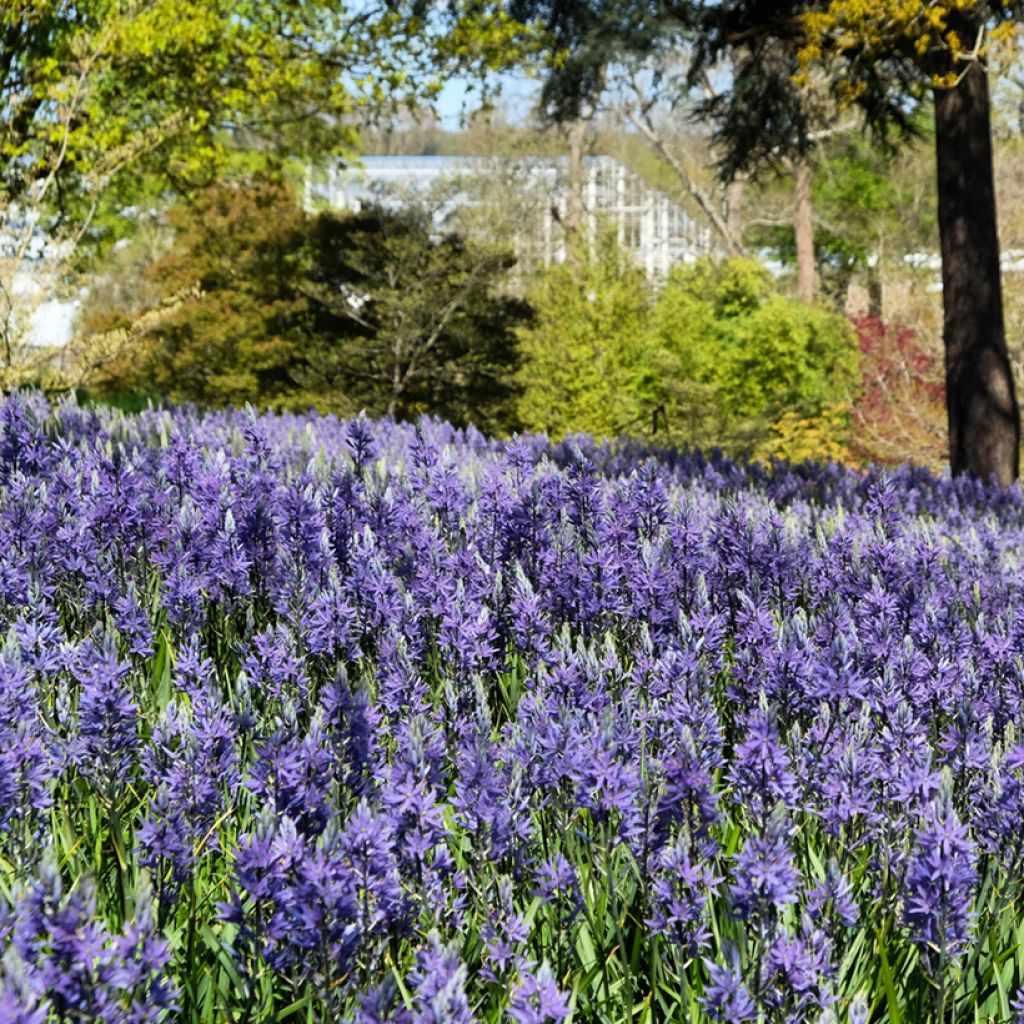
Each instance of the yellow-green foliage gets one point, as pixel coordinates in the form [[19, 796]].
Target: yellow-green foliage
[[925, 33], [582, 357], [90, 89], [821, 438], [714, 358], [760, 359]]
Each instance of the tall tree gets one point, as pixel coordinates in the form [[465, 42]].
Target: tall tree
[[640, 109], [589, 41], [763, 118], [582, 38], [411, 320], [265, 303], [97, 96], [888, 58]]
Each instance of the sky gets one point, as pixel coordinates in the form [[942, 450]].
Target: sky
[[517, 93]]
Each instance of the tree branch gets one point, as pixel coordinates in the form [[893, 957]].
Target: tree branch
[[646, 127]]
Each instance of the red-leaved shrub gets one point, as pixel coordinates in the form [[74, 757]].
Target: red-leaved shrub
[[900, 414]]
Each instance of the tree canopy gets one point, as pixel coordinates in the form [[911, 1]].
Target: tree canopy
[[712, 358], [341, 312], [887, 59], [88, 87], [106, 105]]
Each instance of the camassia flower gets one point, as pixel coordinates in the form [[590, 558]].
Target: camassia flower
[[683, 889], [108, 718], [941, 880], [536, 999], [727, 999], [766, 879], [403, 723], [440, 981], [72, 962]]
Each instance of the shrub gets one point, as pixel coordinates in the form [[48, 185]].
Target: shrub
[[713, 358], [900, 413]]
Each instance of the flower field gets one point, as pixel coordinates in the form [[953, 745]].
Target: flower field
[[308, 720]]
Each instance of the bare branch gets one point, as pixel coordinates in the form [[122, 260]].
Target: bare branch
[[645, 125]]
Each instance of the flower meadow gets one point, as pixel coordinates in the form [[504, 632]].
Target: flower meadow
[[310, 720]]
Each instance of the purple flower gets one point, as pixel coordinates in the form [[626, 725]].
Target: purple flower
[[689, 796], [762, 772], [139, 967], [329, 630], [860, 1011], [165, 832], [373, 679], [726, 997], [15, 1009], [504, 933], [483, 799], [193, 763], [1002, 823], [297, 905], [537, 999], [292, 773], [30, 756], [367, 849], [940, 882], [440, 982], [681, 894], [796, 975], [830, 902], [107, 719], [133, 624], [380, 1006], [765, 875], [274, 669], [72, 962], [557, 880], [1017, 1007], [352, 727]]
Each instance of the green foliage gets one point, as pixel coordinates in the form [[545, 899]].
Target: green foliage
[[96, 87], [109, 105], [763, 360], [237, 256], [786, 356], [716, 358], [338, 312], [865, 197], [583, 354], [872, 206], [409, 322], [107, 109], [583, 39]]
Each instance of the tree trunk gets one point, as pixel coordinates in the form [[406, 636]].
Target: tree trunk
[[803, 229], [984, 421], [876, 287], [734, 204], [572, 221]]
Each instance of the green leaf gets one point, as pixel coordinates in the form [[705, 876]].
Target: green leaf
[[892, 1001], [160, 677]]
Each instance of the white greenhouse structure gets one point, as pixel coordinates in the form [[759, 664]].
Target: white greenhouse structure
[[531, 192]]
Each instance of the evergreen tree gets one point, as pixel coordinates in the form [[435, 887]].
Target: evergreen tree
[[338, 311]]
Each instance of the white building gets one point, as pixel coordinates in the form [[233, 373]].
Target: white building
[[658, 232]]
